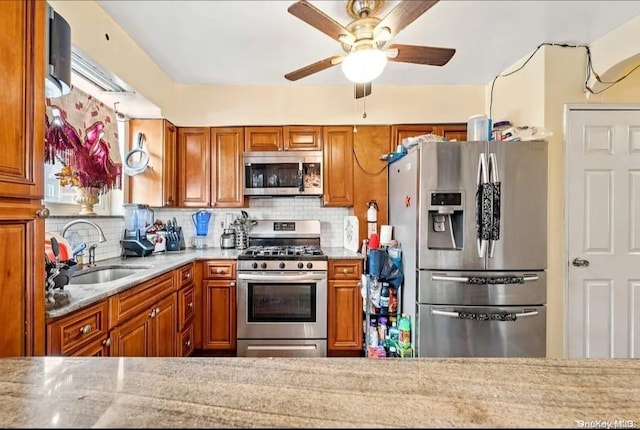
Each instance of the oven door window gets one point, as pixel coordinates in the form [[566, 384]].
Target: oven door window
[[282, 302]]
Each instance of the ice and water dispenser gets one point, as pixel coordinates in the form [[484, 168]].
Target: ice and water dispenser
[[446, 220]]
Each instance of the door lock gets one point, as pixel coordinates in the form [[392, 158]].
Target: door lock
[[580, 263]]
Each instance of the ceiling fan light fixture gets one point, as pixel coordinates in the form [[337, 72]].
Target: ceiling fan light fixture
[[364, 65]]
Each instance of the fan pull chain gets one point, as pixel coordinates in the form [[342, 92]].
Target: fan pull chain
[[364, 107], [355, 111]]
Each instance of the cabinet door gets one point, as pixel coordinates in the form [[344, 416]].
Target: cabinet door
[[22, 267], [226, 167], [370, 174], [164, 323], [194, 168], [169, 185], [338, 166], [452, 131], [156, 186], [263, 139], [22, 105], [344, 319], [133, 337], [302, 138], [186, 306], [219, 315], [400, 132], [99, 348]]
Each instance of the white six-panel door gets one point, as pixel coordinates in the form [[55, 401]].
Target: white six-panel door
[[603, 238]]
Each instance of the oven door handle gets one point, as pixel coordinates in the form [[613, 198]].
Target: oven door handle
[[281, 277]]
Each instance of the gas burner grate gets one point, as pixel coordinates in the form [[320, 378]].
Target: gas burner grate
[[283, 251]]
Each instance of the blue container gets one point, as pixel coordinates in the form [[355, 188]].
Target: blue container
[[377, 259], [201, 222]]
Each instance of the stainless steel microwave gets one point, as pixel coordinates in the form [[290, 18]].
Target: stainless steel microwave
[[275, 173]]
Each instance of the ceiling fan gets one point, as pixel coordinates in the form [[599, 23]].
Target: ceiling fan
[[364, 38]]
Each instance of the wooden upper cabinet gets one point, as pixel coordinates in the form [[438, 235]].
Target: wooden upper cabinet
[[156, 186], [22, 105], [452, 131], [302, 138], [337, 166], [263, 139], [227, 144], [456, 131], [194, 171]]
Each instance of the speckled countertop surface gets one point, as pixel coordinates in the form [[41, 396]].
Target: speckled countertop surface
[[323, 392], [82, 295]]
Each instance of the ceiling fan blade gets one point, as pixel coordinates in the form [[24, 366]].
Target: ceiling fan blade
[[422, 54], [318, 19], [403, 14], [362, 89], [314, 68]]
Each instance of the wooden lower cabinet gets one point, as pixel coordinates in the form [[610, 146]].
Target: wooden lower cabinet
[[219, 314], [151, 333], [80, 333], [344, 308]]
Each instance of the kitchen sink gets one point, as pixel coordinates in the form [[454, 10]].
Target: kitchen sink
[[98, 275]]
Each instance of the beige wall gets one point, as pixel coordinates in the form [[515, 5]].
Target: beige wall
[[217, 105]]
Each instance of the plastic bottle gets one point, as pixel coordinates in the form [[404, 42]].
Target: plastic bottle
[[404, 326], [384, 298], [382, 329], [393, 300], [373, 332], [394, 333]]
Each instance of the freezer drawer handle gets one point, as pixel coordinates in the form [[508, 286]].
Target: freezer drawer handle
[[505, 316], [482, 280]]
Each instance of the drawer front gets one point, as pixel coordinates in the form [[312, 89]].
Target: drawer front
[[345, 269], [185, 341], [78, 330], [223, 269], [137, 299], [186, 306], [185, 275]]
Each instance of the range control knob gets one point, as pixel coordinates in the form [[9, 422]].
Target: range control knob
[[263, 266], [309, 265], [300, 265], [254, 266], [281, 265]]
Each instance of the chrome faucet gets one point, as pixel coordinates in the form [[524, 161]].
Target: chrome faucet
[[84, 221], [92, 248]]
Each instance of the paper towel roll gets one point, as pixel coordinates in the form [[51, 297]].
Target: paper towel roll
[[385, 234]]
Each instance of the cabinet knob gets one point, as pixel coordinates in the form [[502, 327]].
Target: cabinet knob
[[187, 343], [232, 284], [153, 313], [218, 270], [345, 271], [43, 213], [85, 329], [187, 275], [107, 341], [157, 311], [190, 304]]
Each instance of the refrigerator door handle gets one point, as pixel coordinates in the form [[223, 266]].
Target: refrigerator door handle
[[488, 280], [495, 206], [481, 181], [482, 317]]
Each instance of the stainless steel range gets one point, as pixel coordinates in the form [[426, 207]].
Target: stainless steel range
[[282, 291]]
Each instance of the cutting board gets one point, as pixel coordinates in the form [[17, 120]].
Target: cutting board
[[351, 229]]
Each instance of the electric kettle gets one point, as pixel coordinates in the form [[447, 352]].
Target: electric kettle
[[201, 222]]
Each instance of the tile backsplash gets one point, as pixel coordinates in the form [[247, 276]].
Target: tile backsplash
[[331, 221]]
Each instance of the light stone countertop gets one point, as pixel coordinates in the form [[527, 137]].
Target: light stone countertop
[[45, 392], [83, 295]]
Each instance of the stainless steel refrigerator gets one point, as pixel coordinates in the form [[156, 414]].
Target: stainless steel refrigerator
[[471, 218]]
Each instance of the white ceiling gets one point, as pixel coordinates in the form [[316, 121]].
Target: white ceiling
[[258, 42]]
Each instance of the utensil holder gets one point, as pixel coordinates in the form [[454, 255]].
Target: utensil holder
[[241, 239]]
